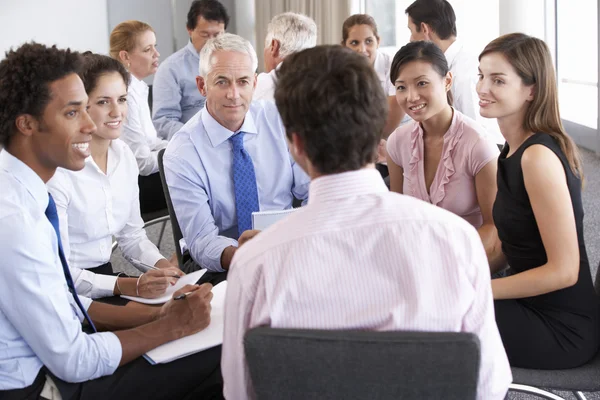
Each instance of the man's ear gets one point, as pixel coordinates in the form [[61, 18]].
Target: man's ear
[[427, 31], [274, 48], [26, 124], [201, 85], [297, 145]]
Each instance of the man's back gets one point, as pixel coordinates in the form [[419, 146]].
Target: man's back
[[360, 257]]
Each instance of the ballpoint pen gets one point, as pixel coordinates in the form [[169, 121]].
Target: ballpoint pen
[[143, 267]]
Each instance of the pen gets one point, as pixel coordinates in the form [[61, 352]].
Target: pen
[[182, 296], [143, 267]]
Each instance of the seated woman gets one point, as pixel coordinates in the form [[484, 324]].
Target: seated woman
[[442, 156], [101, 201], [133, 43], [546, 308], [359, 33]]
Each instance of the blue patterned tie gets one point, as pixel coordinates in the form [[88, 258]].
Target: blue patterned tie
[[52, 216], [244, 183]]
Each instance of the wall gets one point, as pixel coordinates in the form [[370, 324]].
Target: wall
[[79, 24]]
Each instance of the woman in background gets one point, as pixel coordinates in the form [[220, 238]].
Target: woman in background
[[442, 157], [133, 43], [101, 201], [546, 308]]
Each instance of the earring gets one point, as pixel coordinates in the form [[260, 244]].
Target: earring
[[128, 65]]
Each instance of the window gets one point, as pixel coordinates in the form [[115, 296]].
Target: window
[[577, 59]]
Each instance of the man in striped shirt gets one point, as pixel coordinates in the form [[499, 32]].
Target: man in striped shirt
[[427, 267]]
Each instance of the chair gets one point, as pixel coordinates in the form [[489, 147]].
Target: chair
[[177, 235], [585, 378], [319, 364], [157, 217]]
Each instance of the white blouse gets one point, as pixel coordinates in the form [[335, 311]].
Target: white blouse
[[138, 131], [382, 65], [94, 207]]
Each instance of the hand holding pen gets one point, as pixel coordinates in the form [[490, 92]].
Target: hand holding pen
[[191, 315], [155, 281]]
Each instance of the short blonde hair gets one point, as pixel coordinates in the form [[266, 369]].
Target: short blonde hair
[[124, 36]]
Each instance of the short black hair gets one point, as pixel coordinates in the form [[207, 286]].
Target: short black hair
[[96, 65], [438, 14], [25, 77], [210, 10], [421, 51], [331, 97]]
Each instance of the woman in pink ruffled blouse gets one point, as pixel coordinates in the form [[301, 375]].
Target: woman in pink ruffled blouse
[[442, 157]]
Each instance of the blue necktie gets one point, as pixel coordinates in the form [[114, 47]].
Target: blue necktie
[[52, 216], [244, 183]]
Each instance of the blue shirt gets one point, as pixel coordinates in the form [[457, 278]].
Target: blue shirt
[[40, 324], [175, 96], [198, 164]]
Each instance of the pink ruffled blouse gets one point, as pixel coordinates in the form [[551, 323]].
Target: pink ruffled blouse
[[464, 154]]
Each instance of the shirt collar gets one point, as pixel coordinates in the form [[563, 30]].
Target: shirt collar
[[190, 47], [138, 85], [452, 51], [218, 134], [345, 184], [113, 158], [26, 176]]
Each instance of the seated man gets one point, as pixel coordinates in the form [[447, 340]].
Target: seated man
[[174, 94], [44, 125], [230, 159], [287, 33], [426, 267]]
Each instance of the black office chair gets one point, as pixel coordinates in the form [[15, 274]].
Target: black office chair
[[577, 380], [177, 235], [319, 364]]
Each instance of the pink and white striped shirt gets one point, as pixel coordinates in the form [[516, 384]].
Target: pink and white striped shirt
[[360, 257]]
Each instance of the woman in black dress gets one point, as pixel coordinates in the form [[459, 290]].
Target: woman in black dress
[[546, 308]]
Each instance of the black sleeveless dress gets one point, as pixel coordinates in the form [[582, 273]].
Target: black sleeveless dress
[[555, 330]]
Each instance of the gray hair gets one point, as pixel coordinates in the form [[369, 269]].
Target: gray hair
[[225, 42], [294, 31]]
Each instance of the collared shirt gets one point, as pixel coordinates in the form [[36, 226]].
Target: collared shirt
[[463, 66], [382, 66], [138, 130], [92, 208], [175, 95], [198, 166], [465, 152], [265, 85], [40, 324], [427, 271]]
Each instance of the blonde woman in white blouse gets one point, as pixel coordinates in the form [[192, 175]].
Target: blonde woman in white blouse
[[133, 43], [101, 201]]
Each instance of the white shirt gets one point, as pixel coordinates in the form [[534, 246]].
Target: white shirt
[[265, 85], [426, 268], [92, 208], [40, 324], [382, 66], [138, 130], [463, 66]]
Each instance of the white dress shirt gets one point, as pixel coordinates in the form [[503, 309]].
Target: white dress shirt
[[92, 208], [265, 85], [382, 66], [463, 66], [138, 130], [425, 269], [40, 324]]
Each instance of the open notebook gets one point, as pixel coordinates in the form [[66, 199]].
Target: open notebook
[[261, 220], [211, 336], [189, 279]]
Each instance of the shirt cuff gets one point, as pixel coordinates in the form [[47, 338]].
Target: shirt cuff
[[210, 258], [104, 286], [110, 351]]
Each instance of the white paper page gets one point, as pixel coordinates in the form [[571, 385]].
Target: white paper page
[[261, 220], [211, 336], [189, 279]]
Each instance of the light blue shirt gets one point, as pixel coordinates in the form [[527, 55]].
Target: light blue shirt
[[198, 164], [175, 96], [40, 324]]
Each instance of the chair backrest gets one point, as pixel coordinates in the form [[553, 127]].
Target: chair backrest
[[177, 235], [597, 283], [314, 364]]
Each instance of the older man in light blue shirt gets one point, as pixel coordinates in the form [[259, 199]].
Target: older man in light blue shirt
[[175, 95], [199, 161]]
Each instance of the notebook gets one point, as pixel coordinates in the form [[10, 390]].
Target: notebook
[[211, 336], [189, 279], [261, 220]]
